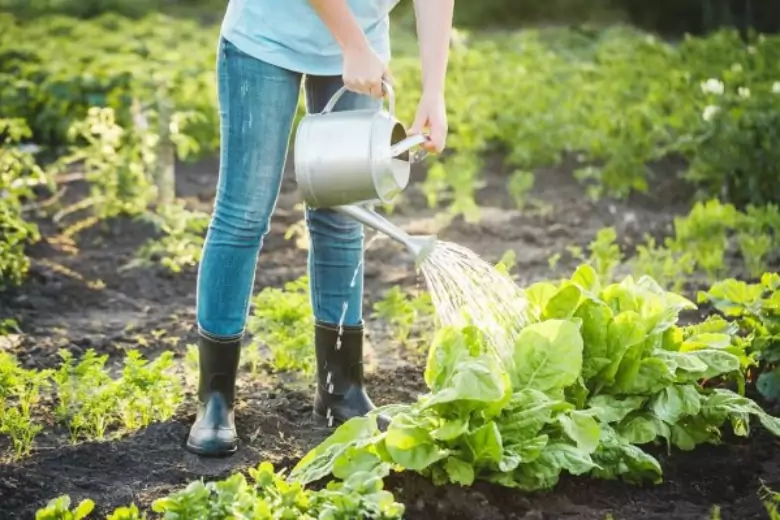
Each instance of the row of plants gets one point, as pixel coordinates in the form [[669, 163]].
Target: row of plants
[[83, 398], [129, 171], [617, 100], [601, 371], [265, 495], [604, 372], [701, 246]]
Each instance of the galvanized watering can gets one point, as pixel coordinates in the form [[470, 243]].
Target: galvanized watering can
[[350, 160]]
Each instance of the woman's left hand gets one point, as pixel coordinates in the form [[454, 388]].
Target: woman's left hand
[[431, 116]]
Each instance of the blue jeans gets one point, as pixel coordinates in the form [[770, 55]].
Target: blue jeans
[[257, 103]]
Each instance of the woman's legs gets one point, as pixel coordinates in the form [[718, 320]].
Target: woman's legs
[[336, 279], [257, 106]]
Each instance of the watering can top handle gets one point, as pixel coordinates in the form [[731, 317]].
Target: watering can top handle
[[340, 92]]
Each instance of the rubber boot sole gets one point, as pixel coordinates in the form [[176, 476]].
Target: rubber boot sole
[[215, 450]]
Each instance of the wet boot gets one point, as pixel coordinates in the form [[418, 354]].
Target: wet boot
[[214, 430], [340, 394]]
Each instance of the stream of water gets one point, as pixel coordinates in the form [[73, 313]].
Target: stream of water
[[465, 289]]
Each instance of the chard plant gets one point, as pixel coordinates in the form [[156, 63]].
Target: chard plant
[[266, 495], [602, 370], [59, 509], [755, 309]]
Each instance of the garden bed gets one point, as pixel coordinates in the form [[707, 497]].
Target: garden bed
[[94, 304]]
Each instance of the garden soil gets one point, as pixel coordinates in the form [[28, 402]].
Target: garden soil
[[84, 298]]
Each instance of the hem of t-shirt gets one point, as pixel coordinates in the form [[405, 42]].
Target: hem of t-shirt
[[293, 61]]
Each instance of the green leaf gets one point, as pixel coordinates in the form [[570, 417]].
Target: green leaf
[[459, 471], [523, 452], [548, 356], [450, 430], [675, 402], [654, 374], [641, 428], [625, 335], [586, 279], [574, 460], [354, 460], [538, 294], [725, 403], [411, 446], [595, 317], [84, 509], [610, 409], [563, 303], [485, 444], [526, 414], [582, 428], [768, 384], [319, 462], [473, 379]]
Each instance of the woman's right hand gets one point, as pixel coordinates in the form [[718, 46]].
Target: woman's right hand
[[364, 71]]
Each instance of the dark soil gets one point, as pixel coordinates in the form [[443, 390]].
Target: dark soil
[[91, 303]]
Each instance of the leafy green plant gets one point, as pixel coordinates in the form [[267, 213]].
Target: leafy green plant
[[19, 173], [736, 152], [671, 269], [604, 255], [20, 393], [283, 321], [411, 317], [603, 370], [181, 243], [265, 495], [59, 509], [756, 309], [90, 402], [269, 496]]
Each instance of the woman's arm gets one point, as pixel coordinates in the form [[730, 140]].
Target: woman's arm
[[363, 69], [434, 25]]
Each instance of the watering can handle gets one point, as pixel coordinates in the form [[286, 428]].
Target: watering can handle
[[409, 143], [340, 92]]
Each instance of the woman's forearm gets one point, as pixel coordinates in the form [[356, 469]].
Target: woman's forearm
[[338, 17], [434, 25]]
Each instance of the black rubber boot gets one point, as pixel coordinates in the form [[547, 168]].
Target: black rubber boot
[[340, 394], [214, 431]]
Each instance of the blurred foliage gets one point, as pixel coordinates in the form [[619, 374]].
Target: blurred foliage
[[665, 16]]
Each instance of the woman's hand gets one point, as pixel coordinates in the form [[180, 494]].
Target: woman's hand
[[431, 116], [364, 70]]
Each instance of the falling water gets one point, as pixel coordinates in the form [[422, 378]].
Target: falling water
[[465, 289], [344, 307]]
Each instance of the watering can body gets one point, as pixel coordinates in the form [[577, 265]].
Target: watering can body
[[349, 160]]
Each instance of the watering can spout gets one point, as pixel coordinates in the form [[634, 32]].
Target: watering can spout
[[419, 246]]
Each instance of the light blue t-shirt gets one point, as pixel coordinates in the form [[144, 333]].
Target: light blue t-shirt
[[291, 35]]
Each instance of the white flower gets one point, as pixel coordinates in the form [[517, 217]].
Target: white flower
[[709, 112], [737, 67], [776, 87], [713, 86], [751, 49], [743, 92]]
